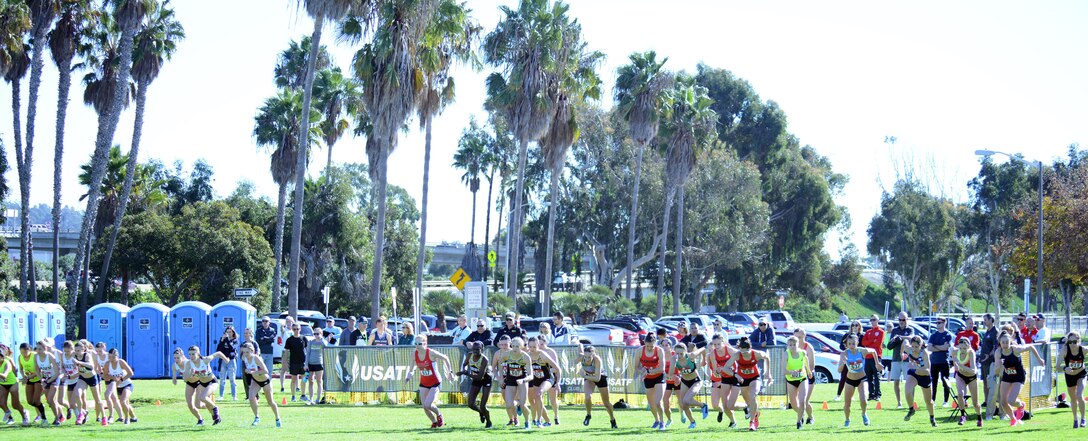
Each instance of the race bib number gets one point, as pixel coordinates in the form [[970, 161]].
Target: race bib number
[[1010, 371], [856, 366], [426, 372], [1075, 366], [747, 371]]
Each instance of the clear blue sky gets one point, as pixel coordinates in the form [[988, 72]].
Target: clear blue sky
[[945, 78]]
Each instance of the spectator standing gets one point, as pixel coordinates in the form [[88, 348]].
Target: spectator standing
[[482, 334], [696, 338], [969, 333], [663, 336], [762, 336], [294, 349], [461, 331], [843, 318], [315, 365], [1029, 331], [351, 335], [940, 341], [286, 331], [407, 335], [873, 339], [899, 336], [331, 330], [509, 329], [1042, 333], [381, 335], [266, 335], [228, 346], [562, 332]]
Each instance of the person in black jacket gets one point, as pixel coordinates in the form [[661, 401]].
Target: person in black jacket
[[509, 329], [228, 345], [265, 336], [482, 334]]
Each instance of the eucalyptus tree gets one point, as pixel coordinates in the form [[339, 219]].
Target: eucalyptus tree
[[576, 81], [320, 11], [392, 79], [527, 43], [15, 22], [277, 126], [154, 44], [639, 91], [448, 40], [74, 25]]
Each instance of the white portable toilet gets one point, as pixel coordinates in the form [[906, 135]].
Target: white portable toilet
[[55, 323], [7, 324]]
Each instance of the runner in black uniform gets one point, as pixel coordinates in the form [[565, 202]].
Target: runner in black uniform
[[1007, 362], [919, 372], [478, 370], [545, 374], [1071, 360], [594, 377], [516, 364]]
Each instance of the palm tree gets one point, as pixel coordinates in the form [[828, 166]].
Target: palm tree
[[127, 14], [470, 156], [577, 81], [527, 43], [392, 81], [290, 70], [448, 39], [15, 22], [496, 160], [638, 92], [277, 126], [691, 127], [340, 101], [320, 11], [155, 43], [74, 23]]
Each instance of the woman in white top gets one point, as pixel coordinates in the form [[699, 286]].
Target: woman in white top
[[49, 370], [119, 386], [200, 369], [101, 356], [255, 374]]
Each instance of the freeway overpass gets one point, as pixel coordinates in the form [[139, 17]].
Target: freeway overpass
[[42, 239]]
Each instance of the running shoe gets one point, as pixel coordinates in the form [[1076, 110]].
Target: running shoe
[[720, 416], [932, 421], [278, 423], [303, 398], [756, 419], [1076, 424], [37, 419], [63, 418], [706, 411], [216, 420], [546, 424], [56, 423], [746, 414], [732, 424], [440, 421], [808, 421], [133, 420], [199, 423], [488, 425], [683, 419], [963, 419], [518, 410], [799, 424], [837, 397], [43, 421], [256, 421], [526, 427], [979, 422], [586, 421], [557, 420], [434, 425], [1019, 412], [945, 404], [910, 413], [668, 423], [752, 426], [292, 398], [105, 422], [692, 425], [614, 424], [655, 425], [481, 417], [8, 419], [1082, 422], [865, 419], [846, 423]]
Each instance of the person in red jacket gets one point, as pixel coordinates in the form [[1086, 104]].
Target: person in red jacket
[[873, 339], [969, 333]]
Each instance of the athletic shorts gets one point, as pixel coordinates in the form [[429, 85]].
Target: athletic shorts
[[671, 386], [794, 383], [51, 383], [91, 382], [924, 381], [315, 367], [1018, 378], [690, 383], [205, 384], [192, 384], [33, 381], [511, 381], [297, 369], [422, 386], [602, 383], [537, 382], [854, 383], [9, 386], [898, 371], [70, 386], [649, 383], [745, 382], [127, 386], [967, 379], [730, 381], [1073, 380], [483, 382], [260, 384]]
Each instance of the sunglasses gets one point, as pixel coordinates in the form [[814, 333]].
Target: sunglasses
[[420, 344], [762, 325], [902, 320], [479, 326]]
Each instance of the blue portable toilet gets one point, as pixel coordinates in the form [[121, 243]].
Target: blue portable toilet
[[238, 315], [21, 325], [39, 321], [7, 324], [55, 322], [106, 323], [189, 325], [148, 340]]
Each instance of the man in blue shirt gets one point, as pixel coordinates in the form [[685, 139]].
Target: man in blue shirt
[[939, 343]]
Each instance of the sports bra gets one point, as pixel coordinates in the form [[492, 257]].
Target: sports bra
[[83, 369], [102, 361], [202, 370], [1012, 363], [795, 366], [722, 362], [917, 360], [117, 372], [514, 369], [855, 362], [29, 367], [381, 338], [965, 362], [541, 370], [69, 366], [1075, 361], [588, 368], [687, 366]]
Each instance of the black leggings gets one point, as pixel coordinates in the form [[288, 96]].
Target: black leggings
[[485, 391], [873, 376], [939, 372]]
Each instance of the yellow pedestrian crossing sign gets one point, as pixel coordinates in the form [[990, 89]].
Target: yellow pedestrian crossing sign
[[460, 278], [491, 258]]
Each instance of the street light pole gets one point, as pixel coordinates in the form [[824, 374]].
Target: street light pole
[[1039, 286]]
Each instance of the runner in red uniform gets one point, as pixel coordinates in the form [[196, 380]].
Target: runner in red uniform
[[652, 361], [430, 378], [749, 379], [672, 381]]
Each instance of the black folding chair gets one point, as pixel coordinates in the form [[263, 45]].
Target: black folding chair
[[957, 411]]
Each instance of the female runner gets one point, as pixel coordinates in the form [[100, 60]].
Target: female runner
[[248, 333], [100, 358], [855, 327], [545, 374], [965, 360], [918, 374], [430, 378], [690, 383], [1013, 375], [119, 392], [672, 382], [477, 368], [1071, 357], [87, 380], [32, 383], [516, 362], [203, 379], [180, 369], [71, 377], [854, 360], [9, 386], [593, 377], [797, 373], [810, 354], [652, 360], [723, 380], [255, 374], [50, 372], [749, 379], [556, 389]]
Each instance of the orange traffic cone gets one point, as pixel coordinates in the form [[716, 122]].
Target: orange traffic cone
[[825, 405], [284, 402], [158, 403], [878, 406]]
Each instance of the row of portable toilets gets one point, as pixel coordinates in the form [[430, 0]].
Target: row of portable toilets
[[146, 334], [30, 322]]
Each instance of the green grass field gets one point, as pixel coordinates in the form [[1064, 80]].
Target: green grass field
[[171, 420]]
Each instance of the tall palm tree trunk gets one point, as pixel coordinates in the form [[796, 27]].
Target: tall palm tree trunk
[[498, 232], [277, 273], [517, 217], [678, 268], [107, 125], [661, 257], [379, 231], [328, 162], [37, 64], [24, 218], [63, 86], [126, 188], [472, 225], [300, 173], [637, 293], [421, 259], [553, 200], [487, 225]]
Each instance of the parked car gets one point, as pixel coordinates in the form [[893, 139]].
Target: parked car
[[819, 342], [918, 329], [729, 327], [953, 325], [600, 335], [827, 365], [740, 318], [703, 321], [314, 318], [778, 319], [629, 324]]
